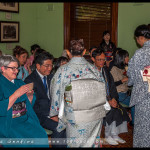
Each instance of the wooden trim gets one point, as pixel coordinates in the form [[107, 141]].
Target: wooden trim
[[114, 30], [66, 25]]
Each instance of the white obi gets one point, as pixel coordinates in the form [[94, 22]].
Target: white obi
[[87, 98]]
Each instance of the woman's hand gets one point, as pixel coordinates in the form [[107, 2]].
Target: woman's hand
[[55, 118], [18, 93], [22, 90], [30, 95], [124, 79]]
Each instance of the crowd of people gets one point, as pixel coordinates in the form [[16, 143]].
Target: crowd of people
[[74, 97]]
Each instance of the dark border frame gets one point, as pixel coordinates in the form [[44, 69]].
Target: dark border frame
[[9, 23], [9, 9]]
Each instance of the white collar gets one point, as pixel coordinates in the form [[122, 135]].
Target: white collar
[[41, 76], [12, 81]]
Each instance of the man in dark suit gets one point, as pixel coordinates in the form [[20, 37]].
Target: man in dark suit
[[41, 78]]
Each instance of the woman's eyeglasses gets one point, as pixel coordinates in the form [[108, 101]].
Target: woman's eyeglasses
[[13, 68]]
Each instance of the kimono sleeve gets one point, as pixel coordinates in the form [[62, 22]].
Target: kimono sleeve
[[33, 100], [55, 93], [3, 104]]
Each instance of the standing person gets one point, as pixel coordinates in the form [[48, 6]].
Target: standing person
[[116, 119], [83, 133], [108, 46], [17, 117], [140, 97], [119, 74], [41, 78], [31, 58], [21, 54]]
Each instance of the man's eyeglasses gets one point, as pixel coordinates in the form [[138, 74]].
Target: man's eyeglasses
[[100, 59], [47, 66], [13, 68]]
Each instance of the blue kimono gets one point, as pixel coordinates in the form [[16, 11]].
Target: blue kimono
[[25, 127], [80, 133]]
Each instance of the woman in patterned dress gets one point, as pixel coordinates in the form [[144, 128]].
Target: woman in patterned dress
[[79, 134], [140, 96]]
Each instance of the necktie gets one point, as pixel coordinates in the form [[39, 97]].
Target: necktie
[[44, 82]]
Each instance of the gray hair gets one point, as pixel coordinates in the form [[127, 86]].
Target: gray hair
[[5, 60]]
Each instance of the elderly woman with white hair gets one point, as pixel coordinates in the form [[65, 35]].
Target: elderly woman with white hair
[[17, 117]]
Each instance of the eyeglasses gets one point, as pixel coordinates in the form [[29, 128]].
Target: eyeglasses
[[100, 59], [13, 68], [47, 66]]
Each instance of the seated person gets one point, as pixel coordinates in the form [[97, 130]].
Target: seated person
[[116, 119], [119, 73], [59, 62], [31, 58], [41, 78], [21, 54], [17, 117]]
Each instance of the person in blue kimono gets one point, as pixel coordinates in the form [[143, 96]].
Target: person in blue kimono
[[140, 96], [83, 133], [22, 54], [19, 125]]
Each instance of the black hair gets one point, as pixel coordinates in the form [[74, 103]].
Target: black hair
[[97, 52], [142, 30], [76, 47], [39, 59], [34, 47], [18, 50], [57, 63], [91, 48], [119, 59], [105, 32]]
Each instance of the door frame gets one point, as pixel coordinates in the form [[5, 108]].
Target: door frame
[[114, 31]]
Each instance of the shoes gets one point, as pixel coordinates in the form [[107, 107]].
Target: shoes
[[118, 139], [111, 141]]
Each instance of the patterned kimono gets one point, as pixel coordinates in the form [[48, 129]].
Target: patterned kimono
[[140, 96], [22, 128], [83, 134]]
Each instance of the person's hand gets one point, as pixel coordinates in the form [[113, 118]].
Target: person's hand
[[113, 103], [22, 90], [124, 79], [18, 93], [55, 118], [30, 95]]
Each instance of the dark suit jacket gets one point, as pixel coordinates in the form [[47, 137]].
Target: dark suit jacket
[[42, 103]]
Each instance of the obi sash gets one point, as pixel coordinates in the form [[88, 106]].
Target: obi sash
[[108, 55], [19, 109], [86, 97]]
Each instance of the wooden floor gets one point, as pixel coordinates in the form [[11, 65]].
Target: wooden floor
[[128, 137]]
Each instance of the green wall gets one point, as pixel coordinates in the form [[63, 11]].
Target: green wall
[[130, 15], [42, 23], [28, 27], [50, 27]]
